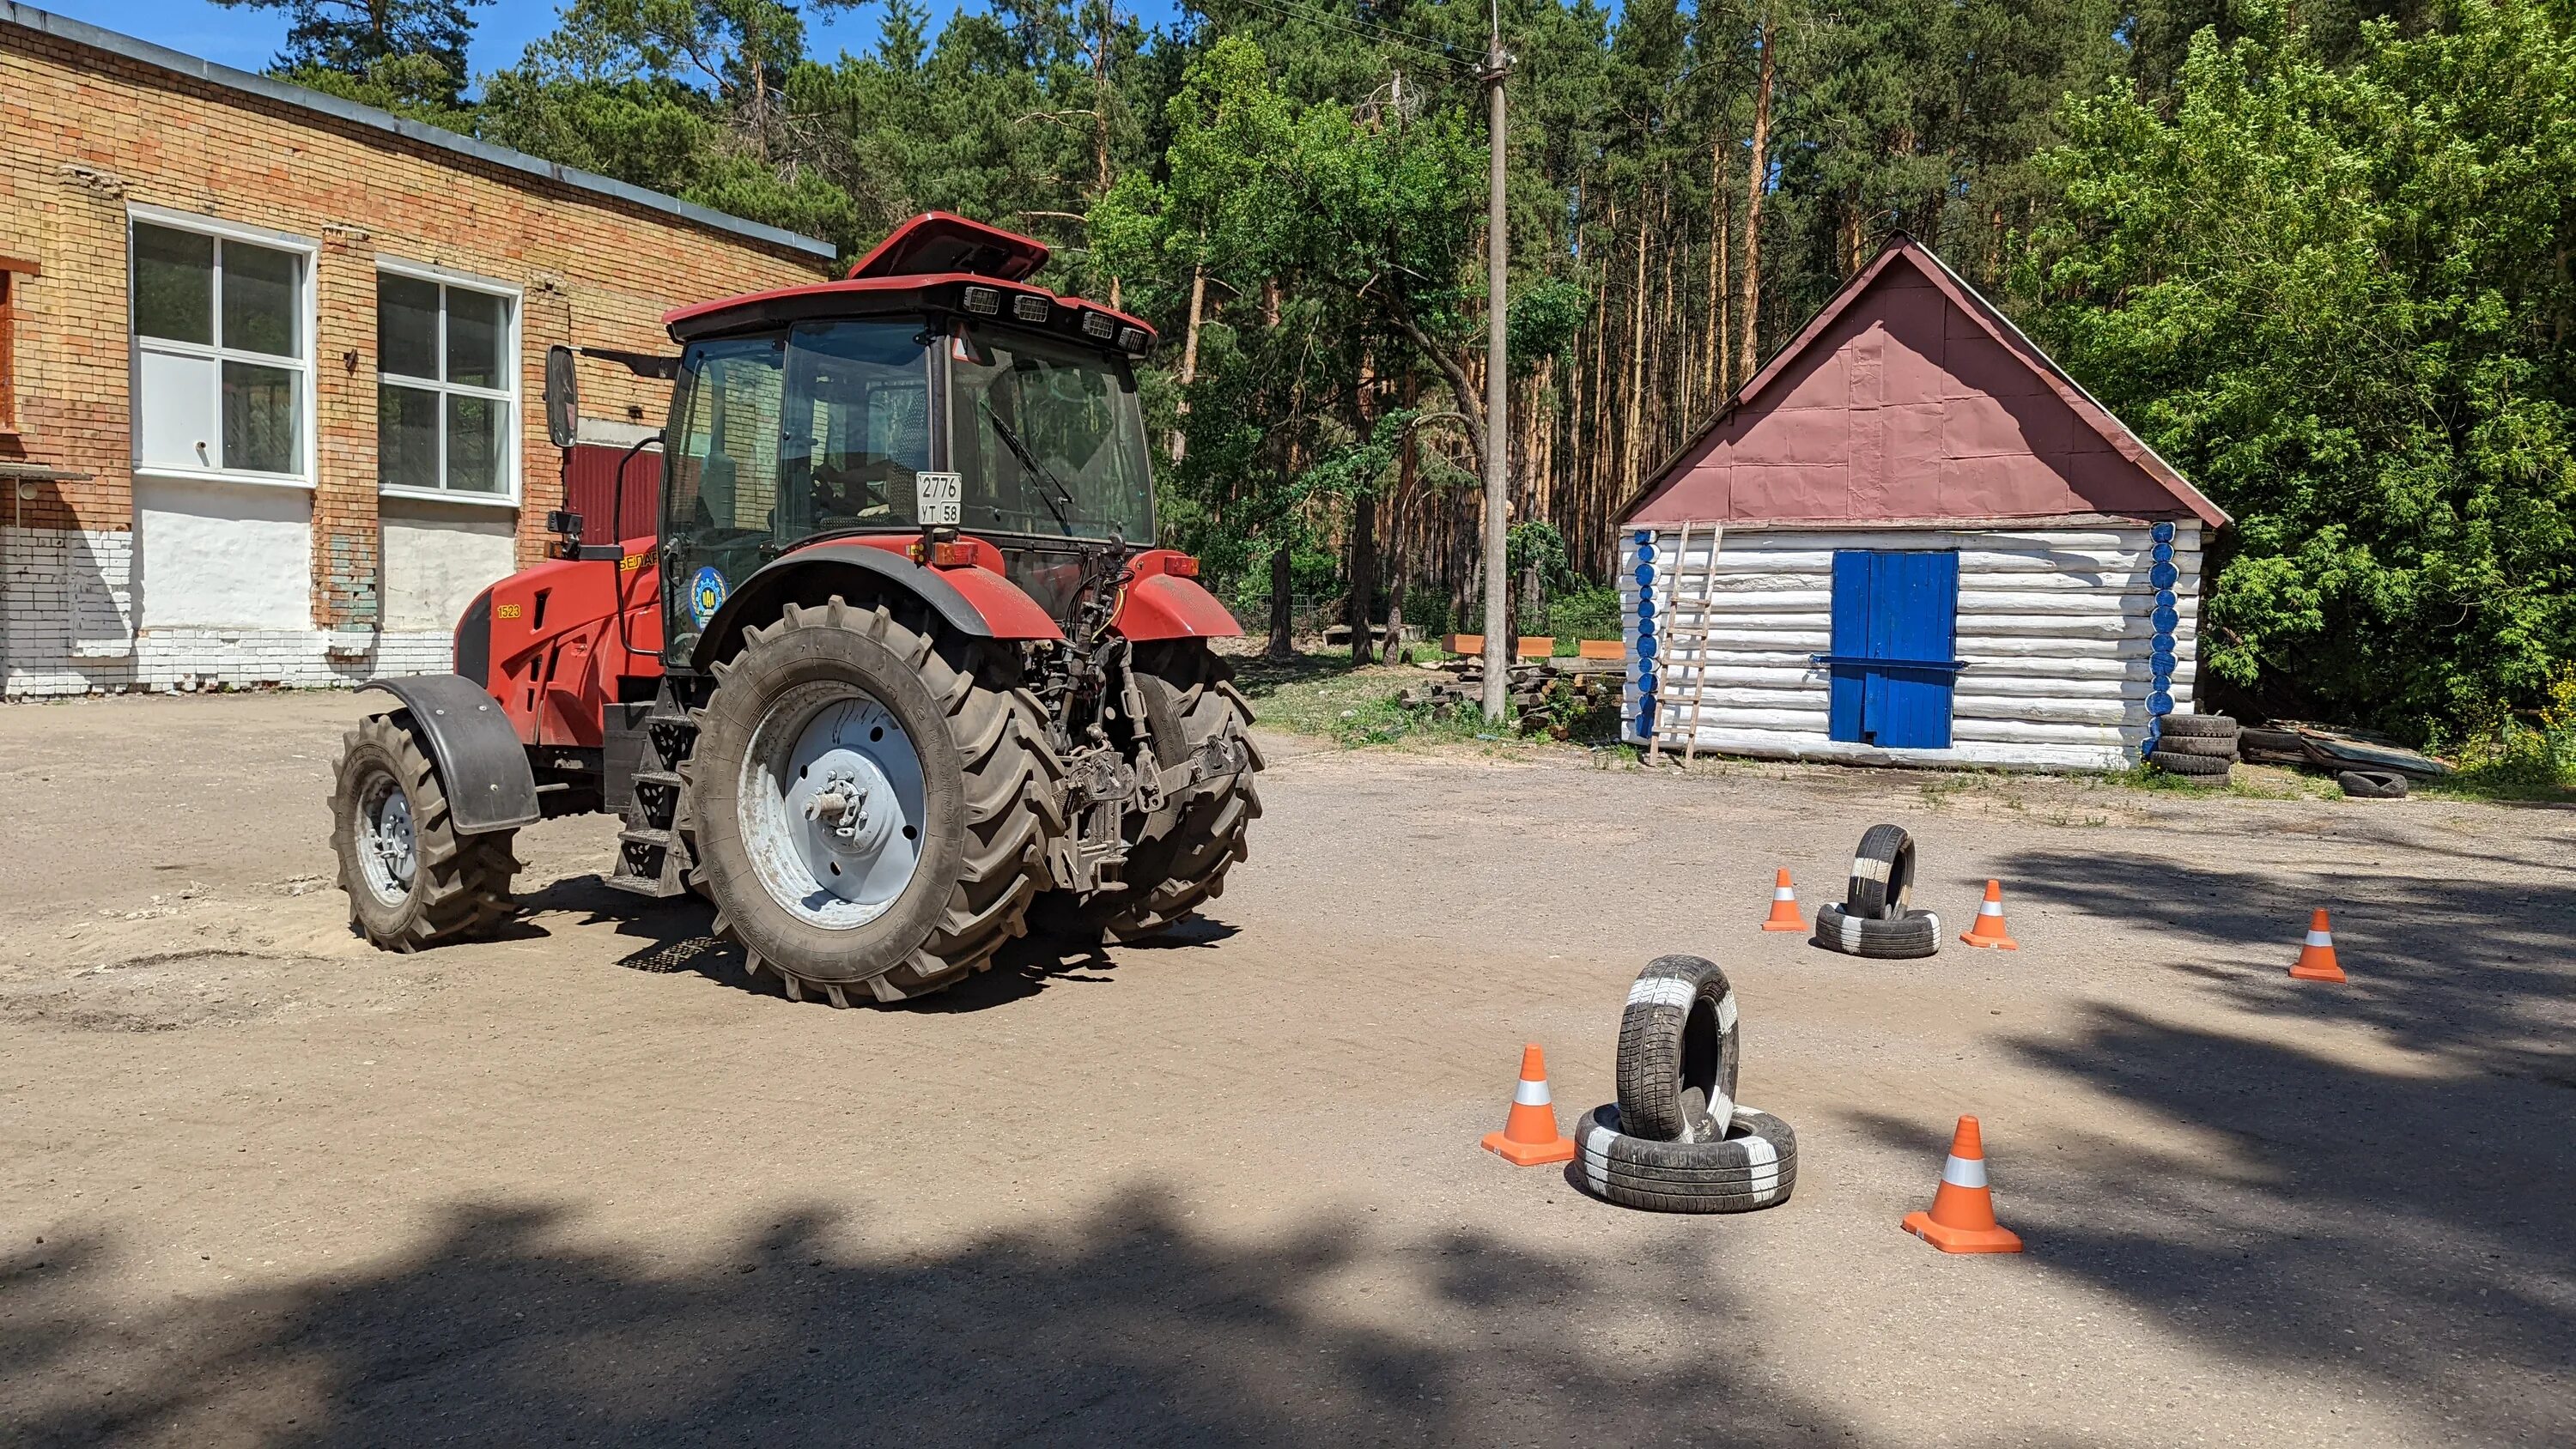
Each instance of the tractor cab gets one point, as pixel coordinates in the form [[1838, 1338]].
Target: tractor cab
[[894, 404]]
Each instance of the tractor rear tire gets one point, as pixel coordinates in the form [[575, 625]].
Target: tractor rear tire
[[412, 881], [989, 798], [1179, 857]]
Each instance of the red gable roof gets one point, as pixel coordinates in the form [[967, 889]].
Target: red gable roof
[[1911, 398]]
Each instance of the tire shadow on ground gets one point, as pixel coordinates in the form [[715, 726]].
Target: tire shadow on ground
[[675, 936]]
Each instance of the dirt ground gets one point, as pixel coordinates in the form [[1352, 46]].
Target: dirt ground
[[260, 1184]]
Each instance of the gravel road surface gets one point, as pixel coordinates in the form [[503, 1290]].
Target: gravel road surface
[[588, 1184]]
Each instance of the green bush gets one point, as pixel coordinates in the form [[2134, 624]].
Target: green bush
[[2335, 296], [2514, 759]]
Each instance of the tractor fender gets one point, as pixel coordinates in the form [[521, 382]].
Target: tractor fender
[[974, 600], [1162, 603], [474, 746]]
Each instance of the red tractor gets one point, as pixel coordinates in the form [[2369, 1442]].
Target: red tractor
[[899, 657]]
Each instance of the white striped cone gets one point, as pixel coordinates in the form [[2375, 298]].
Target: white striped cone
[[1962, 1219], [1784, 906], [1529, 1136], [1988, 928], [2317, 958]]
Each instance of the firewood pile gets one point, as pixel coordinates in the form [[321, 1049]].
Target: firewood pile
[[1549, 694]]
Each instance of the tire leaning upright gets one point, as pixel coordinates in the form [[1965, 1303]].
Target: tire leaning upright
[[1678, 1052], [1882, 874]]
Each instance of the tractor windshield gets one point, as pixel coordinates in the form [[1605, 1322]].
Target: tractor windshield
[[1047, 437]]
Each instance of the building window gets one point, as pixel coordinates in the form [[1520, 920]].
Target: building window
[[222, 352], [448, 387]]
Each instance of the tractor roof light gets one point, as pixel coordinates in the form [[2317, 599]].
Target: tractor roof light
[[1132, 338], [983, 301], [1030, 309], [1100, 325]]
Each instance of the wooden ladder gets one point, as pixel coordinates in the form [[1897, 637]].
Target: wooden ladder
[[1688, 618]]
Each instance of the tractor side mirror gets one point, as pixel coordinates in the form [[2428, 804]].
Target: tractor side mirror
[[563, 397]]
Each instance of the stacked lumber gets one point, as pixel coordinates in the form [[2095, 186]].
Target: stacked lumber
[[1534, 688]]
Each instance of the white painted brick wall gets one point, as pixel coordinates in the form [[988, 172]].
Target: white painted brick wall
[[66, 611]]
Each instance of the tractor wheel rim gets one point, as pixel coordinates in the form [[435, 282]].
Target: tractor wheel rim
[[388, 850], [832, 805]]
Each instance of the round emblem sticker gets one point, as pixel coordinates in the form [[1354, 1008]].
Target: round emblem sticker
[[706, 595]]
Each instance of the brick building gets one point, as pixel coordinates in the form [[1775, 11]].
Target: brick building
[[271, 363]]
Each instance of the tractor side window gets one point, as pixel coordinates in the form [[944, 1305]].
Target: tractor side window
[[721, 494], [724, 473]]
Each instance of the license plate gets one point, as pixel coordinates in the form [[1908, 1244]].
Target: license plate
[[936, 497]]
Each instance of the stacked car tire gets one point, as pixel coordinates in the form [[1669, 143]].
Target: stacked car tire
[[1876, 918], [2199, 746], [1677, 1140]]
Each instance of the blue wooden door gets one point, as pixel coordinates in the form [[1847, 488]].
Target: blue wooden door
[[1896, 621]]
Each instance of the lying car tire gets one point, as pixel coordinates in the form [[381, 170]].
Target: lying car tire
[[2178, 764], [2206, 746], [1753, 1166], [2373, 784], [1917, 935], [1882, 874], [2199, 726], [1677, 1051]]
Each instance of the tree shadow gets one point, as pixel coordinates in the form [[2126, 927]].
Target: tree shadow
[[2320, 1216], [1261, 675], [2389, 1204], [2480, 971], [1123, 1326]]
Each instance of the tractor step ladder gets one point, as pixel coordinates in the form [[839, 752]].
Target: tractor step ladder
[[651, 859], [1689, 617]]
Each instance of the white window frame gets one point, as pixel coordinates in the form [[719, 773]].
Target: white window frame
[[307, 322], [508, 397]]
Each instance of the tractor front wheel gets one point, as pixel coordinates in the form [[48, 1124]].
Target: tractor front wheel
[[873, 802], [412, 881], [1177, 858]]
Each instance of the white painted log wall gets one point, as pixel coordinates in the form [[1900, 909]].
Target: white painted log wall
[[2054, 624]]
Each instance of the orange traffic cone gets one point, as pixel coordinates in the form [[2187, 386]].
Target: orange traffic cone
[[1784, 906], [1988, 928], [1962, 1219], [2317, 958], [1529, 1137]]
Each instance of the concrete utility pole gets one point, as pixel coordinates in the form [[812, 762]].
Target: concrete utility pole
[[1498, 649]]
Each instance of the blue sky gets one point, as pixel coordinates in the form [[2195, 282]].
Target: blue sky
[[246, 39]]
